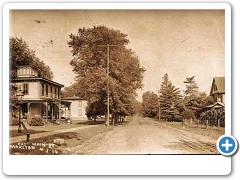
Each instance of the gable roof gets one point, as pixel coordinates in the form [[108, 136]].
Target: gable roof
[[220, 83]]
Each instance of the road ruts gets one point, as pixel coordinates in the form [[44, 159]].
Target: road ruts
[[143, 136]]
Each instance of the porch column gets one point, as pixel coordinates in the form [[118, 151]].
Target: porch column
[[52, 110], [29, 111], [69, 113], [65, 112], [59, 111], [46, 104]]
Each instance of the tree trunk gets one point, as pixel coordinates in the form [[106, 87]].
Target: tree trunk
[[106, 119], [113, 119], [116, 118]]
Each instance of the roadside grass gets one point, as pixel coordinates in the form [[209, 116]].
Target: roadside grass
[[52, 127], [14, 133], [211, 131], [45, 146], [85, 135], [40, 146]]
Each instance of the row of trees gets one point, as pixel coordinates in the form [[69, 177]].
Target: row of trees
[[90, 66], [173, 105]]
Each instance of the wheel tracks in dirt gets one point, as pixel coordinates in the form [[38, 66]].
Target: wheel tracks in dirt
[[105, 141], [198, 143]]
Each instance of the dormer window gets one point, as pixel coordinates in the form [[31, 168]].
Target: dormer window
[[26, 71]]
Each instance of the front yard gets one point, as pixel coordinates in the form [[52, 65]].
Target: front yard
[[45, 146]]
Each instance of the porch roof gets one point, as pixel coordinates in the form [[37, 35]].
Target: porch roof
[[216, 105]]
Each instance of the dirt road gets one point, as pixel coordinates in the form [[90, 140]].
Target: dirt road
[[143, 136]]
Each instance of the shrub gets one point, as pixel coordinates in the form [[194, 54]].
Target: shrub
[[36, 121], [13, 121], [213, 116], [188, 114]]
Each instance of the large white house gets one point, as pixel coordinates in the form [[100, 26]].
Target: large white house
[[41, 96]]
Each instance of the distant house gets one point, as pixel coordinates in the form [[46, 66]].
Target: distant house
[[218, 89], [41, 96], [74, 108]]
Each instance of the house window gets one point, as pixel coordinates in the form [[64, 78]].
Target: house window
[[25, 89], [55, 92], [21, 71], [24, 108], [79, 112], [215, 97], [79, 103], [24, 71], [215, 87], [46, 90], [42, 89], [58, 93], [220, 98], [51, 91], [27, 71]]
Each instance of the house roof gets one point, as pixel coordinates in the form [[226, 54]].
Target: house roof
[[36, 78], [220, 83], [73, 98]]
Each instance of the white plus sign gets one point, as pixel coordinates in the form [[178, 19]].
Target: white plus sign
[[227, 145]]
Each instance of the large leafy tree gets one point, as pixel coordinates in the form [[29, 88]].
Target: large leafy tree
[[134, 107], [20, 54], [90, 65], [71, 91], [150, 104], [170, 100]]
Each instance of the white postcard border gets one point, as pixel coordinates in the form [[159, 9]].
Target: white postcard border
[[114, 164]]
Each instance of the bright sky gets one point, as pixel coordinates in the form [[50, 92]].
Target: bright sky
[[181, 43]]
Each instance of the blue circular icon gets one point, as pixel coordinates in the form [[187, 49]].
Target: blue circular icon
[[227, 145]]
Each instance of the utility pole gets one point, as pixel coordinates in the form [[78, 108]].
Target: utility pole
[[108, 110], [159, 108], [159, 112]]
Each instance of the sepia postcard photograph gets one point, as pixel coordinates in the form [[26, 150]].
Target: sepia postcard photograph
[[114, 83], [88, 82]]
